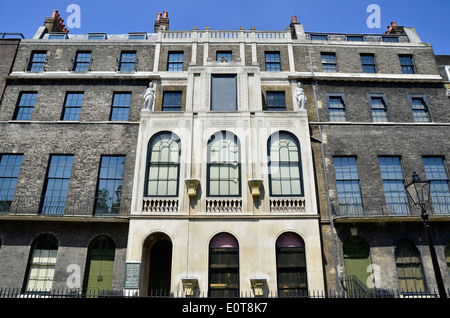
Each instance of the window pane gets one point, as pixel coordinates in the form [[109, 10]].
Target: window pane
[[9, 172], [25, 106], [276, 101], [393, 185], [175, 61], [223, 165], [284, 165], [109, 188], [127, 61], [72, 106], [57, 185], [163, 165], [172, 101], [37, 61], [121, 106], [82, 62], [273, 63], [336, 109], [347, 184], [223, 92], [439, 184]]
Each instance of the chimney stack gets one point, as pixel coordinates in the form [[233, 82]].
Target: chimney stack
[[162, 21], [394, 29], [55, 23]]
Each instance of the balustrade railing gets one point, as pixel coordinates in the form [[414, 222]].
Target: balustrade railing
[[388, 206]]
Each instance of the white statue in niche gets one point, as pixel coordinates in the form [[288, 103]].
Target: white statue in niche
[[301, 97], [149, 97]]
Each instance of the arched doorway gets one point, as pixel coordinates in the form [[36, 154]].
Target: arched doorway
[[223, 266], [158, 251], [100, 266], [291, 265]]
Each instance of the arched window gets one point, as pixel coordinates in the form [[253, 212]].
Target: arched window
[[163, 165], [100, 265], [42, 262], [356, 260], [291, 265], [285, 174], [409, 267], [223, 266], [224, 168]]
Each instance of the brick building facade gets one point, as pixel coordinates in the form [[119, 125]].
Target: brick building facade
[[100, 192]]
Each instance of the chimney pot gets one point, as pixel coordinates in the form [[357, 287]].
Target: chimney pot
[[165, 14], [294, 19]]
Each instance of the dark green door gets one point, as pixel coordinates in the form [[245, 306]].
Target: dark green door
[[100, 266]]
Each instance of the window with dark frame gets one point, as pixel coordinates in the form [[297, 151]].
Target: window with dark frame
[[57, 185], [419, 109], [82, 62], [336, 108], [223, 56], [378, 109], [393, 185], [163, 164], [175, 61], [109, 185], [172, 101], [224, 92], [368, 63], [9, 172], [273, 61], [25, 106], [285, 172], [120, 107], [329, 62], [276, 101], [127, 61], [72, 106], [407, 64], [37, 61], [347, 184], [223, 166], [435, 170]]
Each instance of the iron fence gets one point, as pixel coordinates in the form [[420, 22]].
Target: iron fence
[[121, 293], [386, 206]]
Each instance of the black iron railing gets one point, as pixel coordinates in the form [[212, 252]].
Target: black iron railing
[[388, 206], [64, 206], [120, 293]]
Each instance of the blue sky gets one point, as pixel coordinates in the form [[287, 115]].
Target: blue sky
[[430, 17]]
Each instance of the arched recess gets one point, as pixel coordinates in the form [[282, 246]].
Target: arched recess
[[99, 266], [291, 265], [41, 264], [157, 264], [223, 266], [409, 267], [356, 262]]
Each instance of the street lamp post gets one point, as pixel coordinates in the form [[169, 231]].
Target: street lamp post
[[419, 192]]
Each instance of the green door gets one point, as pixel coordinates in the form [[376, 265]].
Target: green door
[[100, 268], [356, 261]]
